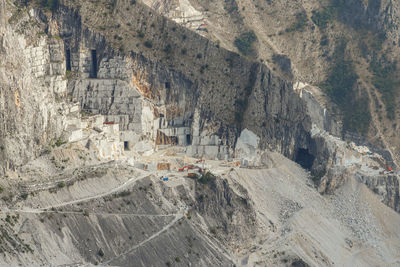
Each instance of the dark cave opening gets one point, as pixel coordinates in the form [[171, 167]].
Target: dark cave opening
[[304, 158], [188, 139], [126, 145], [68, 59], [93, 69]]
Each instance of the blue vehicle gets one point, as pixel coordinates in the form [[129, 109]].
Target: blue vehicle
[[165, 179]]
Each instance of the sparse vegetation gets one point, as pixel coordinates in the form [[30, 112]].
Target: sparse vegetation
[[51, 5], [68, 74], [323, 17], [384, 80], [340, 87], [206, 178], [300, 23]]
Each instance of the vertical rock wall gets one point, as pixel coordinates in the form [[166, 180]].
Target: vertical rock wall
[[31, 78], [230, 92]]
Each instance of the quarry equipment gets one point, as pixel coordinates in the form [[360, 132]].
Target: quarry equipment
[[188, 167], [192, 175], [388, 168]]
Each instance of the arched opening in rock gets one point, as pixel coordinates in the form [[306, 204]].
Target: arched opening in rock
[[68, 59], [93, 67], [304, 158], [167, 85], [188, 139]]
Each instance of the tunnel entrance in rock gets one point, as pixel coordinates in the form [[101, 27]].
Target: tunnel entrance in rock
[[68, 59], [126, 145], [93, 67], [188, 139], [167, 85], [304, 158]]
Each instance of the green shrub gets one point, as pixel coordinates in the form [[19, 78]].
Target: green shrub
[[148, 44], [206, 178], [117, 37], [61, 184], [140, 34], [213, 230], [245, 42], [123, 193], [100, 253], [167, 49], [60, 142]]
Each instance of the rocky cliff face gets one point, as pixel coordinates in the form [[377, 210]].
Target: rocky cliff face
[[150, 84], [32, 82]]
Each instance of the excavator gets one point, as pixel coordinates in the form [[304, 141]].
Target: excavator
[[388, 168], [190, 167]]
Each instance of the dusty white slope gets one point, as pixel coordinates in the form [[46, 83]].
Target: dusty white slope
[[350, 228]]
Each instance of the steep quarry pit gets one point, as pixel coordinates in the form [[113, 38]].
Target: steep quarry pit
[[132, 97], [162, 86]]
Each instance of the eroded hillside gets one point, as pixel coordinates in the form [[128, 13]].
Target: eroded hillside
[[116, 214]]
